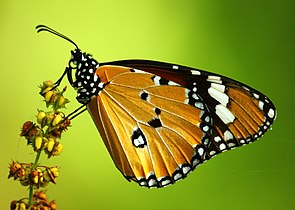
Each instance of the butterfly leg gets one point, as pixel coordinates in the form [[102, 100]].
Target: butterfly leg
[[76, 112], [57, 83]]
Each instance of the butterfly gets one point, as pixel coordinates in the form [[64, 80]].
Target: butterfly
[[159, 121]]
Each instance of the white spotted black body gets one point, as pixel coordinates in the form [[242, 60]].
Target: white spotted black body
[[87, 81]]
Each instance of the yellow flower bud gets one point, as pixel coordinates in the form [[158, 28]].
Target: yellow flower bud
[[57, 149], [46, 176], [50, 144], [38, 143], [45, 89], [54, 171], [40, 116], [22, 206], [57, 119], [49, 119], [48, 96], [61, 101], [35, 177], [48, 83]]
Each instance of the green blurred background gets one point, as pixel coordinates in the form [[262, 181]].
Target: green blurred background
[[251, 41]]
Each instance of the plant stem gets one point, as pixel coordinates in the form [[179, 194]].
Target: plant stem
[[37, 159], [31, 188]]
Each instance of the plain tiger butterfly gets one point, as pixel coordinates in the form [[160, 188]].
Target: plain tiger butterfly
[[159, 121]]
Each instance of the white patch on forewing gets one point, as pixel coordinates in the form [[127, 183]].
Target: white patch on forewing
[[218, 87], [194, 95], [199, 105], [195, 72], [219, 96], [271, 113], [139, 71], [215, 79], [157, 80], [256, 95], [174, 67], [224, 114], [261, 104], [173, 83]]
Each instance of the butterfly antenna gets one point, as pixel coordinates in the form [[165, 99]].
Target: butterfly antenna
[[50, 30]]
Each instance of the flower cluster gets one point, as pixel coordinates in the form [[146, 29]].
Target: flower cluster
[[40, 202], [38, 177], [43, 136], [53, 97]]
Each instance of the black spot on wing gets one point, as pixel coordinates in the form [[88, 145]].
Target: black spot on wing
[[157, 111], [155, 122], [144, 96]]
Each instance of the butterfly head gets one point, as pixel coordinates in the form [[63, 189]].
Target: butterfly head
[[86, 81]]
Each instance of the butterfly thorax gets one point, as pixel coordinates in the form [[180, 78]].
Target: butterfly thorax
[[86, 81]]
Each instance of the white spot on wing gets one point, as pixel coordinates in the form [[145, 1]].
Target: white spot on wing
[[195, 72], [173, 83], [195, 96], [139, 71], [186, 170], [201, 151], [271, 113], [177, 176], [214, 79], [199, 105], [212, 152], [152, 182], [256, 95], [219, 96], [174, 67], [218, 87], [186, 92], [139, 141], [95, 78], [205, 128], [222, 146], [217, 139], [157, 80], [261, 104], [224, 114], [228, 135], [166, 182]]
